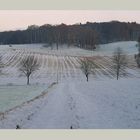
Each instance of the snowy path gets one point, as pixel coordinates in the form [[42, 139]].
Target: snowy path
[[59, 111], [90, 105]]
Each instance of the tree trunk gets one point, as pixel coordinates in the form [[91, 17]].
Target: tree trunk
[[117, 74], [28, 80], [87, 77]]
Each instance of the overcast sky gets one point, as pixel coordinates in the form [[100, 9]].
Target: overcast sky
[[20, 19]]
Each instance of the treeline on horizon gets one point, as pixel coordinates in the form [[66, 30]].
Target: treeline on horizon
[[81, 35]]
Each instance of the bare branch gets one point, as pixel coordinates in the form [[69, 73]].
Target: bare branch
[[29, 65], [87, 66]]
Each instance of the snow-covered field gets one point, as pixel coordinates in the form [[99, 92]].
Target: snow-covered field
[[81, 105], [103, 102], [97, 104], [63, 63], [11, 96], [102, 50]]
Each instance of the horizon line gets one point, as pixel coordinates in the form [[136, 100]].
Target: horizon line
[[78, 23]]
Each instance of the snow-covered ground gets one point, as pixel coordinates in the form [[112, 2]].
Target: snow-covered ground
[[105, 49], [97, 104], [11, 96], [79, 105], [61, 64], [103, 102]]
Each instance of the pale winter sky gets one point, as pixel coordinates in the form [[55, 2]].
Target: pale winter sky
[[20, 19]]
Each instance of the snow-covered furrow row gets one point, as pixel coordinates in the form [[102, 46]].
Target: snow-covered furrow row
[[44, 59], [131, 62], [46, 67], [13, 58], [65, 66], [67, 69], [97, 72], [63, 72], [53, 67], [60, 69], [70, 67], [38, 58], [17, 59], [74, 66], [108, 66], [13, 67], [2, 53], [9, 62], [105, 63], [72, 70], [76, 62], [26, 51], [6, 56], [108, 61], [9, 57], [104, 69], [49, 68], [43, 68]]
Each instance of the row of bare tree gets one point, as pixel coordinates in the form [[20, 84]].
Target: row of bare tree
[[30, 64], [119, 60], [119, 64]]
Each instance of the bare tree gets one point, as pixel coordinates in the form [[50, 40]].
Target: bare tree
[[119, 62], [86, 67], [28, 66]]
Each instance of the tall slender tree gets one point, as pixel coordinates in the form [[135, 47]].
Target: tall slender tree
[[119, 62]]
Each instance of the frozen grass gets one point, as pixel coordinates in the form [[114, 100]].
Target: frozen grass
[[11, 96]]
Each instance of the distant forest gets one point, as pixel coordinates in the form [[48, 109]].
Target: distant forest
[[81, 35]]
